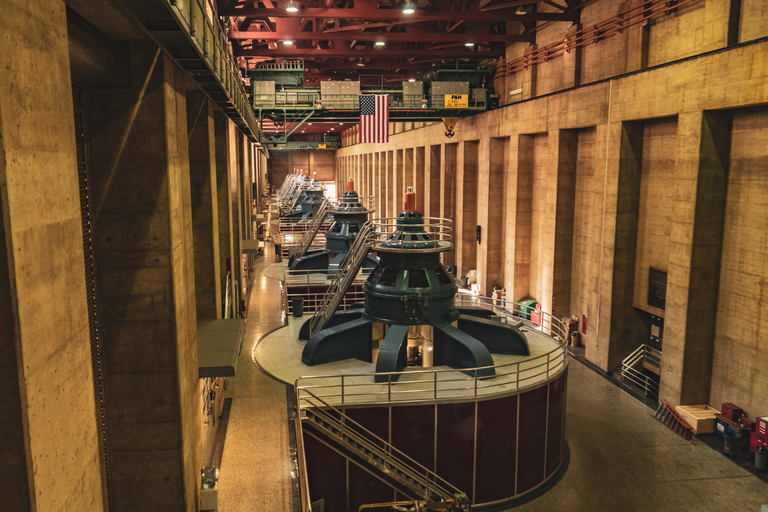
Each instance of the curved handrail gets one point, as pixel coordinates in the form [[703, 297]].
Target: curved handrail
[[429, 385]]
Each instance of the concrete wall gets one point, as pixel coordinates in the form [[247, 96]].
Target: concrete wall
[[281, 163], [632, 181], [49, 448], [741, 340]]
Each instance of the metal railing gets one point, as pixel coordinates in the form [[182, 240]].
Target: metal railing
[[354, 437], [348, 269], [314, 226], [439, 233], [397, 101], [207, 34], [647, 358], [430, 385]]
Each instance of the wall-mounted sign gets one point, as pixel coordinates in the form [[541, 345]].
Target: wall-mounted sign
[[457, 101]]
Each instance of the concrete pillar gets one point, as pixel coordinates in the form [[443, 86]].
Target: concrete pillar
[[236, 172], [567, 146], [49, 448], [466, 209], [625, 332], [701, 178], [449, 180], [492, 211], [418, 178], [224, 133], [202, 170], [390, 173], [432, 186], [399, 182], [522, 176], [143, 238], [409, 177]]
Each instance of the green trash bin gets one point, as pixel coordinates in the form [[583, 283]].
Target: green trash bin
[[526, 306]]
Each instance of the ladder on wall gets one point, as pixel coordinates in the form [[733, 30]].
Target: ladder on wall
[[348, 269]]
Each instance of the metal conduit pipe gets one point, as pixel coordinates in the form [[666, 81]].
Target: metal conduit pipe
[[91, 62]]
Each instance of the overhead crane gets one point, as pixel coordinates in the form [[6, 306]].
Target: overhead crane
[[447, 92]]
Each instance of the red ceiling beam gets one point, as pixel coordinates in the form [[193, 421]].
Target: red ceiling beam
[[298, 53], [389, 37], [372, 14]]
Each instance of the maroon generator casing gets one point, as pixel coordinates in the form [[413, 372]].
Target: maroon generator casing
[[731, 411]]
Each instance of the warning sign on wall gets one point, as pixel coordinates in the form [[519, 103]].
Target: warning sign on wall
[[457, 101]]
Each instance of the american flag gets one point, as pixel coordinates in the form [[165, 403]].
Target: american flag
[[374, 118]]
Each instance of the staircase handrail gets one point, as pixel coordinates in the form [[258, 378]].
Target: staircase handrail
[[429, 479], [314, 227], [297, 194], [346, 273]]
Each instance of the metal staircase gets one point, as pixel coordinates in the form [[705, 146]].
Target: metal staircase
[[360, 442], [295, 194], [313, 228], [348, 269]]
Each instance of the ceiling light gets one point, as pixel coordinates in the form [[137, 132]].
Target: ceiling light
[[469, 43], [331, 129], [379, 43], [409, 8], [411, 79], [291, 7], [520, 11], [288, 42], [310, 124]]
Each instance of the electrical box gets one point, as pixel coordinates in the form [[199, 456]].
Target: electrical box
[[263, 93], [413, 93]]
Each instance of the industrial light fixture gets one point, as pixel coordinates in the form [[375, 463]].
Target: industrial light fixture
[[469, 43], [291, 7], [379, 43], [409, 8], [411, 79], [520, 11], [288, 42]]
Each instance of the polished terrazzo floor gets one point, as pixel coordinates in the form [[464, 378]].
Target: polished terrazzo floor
[[620, 458]]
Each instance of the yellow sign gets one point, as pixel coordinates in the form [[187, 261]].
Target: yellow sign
[[457, 101]]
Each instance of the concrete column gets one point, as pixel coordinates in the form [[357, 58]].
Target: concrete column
[[701, 178], [409, 179], [432, 186], [418, 178], [567, 145], [483, 213], [510, 217], [235, 178], [522, 175], [448, 191], [493, 207], [202, 169], [572, 60], [466, 209], [143, 236], [528, 76], [625, 332], [49, 448], [390, 172], [399, 182], [224, 131]]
